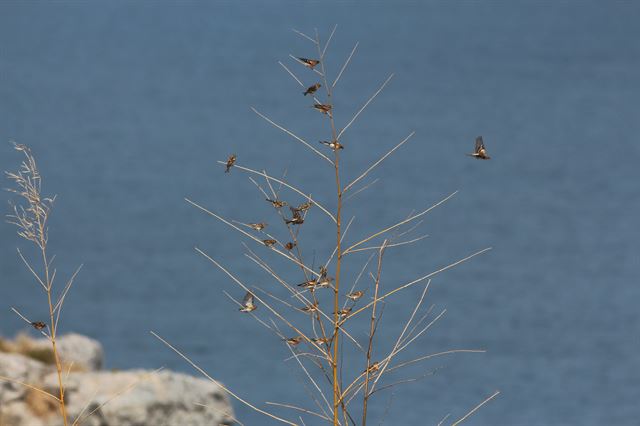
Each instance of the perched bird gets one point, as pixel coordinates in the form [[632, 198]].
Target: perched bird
[[277, 203], [230, 162], [289, 246], [334, 145], [257, 226], [321, 340], [310, 308], [323, 108], [248, 304], [39, 325], [312, 89], [269, 243], [480, 151], [324, 282], [303, 207], [323, 271], [343, 313], [309, 62], [295, 220], [294, 340], [372, 368], [311, 284], [355, 295]]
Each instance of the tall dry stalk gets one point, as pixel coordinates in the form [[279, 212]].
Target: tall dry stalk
[[322, 343], [31, 218]]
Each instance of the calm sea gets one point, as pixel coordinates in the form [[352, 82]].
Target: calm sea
[[128, 106]]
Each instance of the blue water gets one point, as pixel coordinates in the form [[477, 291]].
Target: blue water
[[128, 106]]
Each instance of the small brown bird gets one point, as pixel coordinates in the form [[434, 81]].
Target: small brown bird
[[334, 145], [311, 284], [39, 325], [295, 220], [372, 368], [277, 203], [269, 243], [310, 308], [293, 341], [309, 62], [343, 313], [355, 295], [480, 151], [289, 246], [324, 282], [304, 206], [230, 162], [321, 340], [323, 108], [248, 303], [323, 271], [312, 89], [257, 226]]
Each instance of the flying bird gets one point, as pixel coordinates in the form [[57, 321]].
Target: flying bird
[[248, 303], [293, 341], [480, 151]]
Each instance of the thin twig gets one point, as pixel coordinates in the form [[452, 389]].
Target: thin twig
[[457, 422], [364, 106], [346, 188], [293, 135], [345, 65], [226, 389]]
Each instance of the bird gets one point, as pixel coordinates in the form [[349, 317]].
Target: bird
[[343, 313], [355, 295], [323, 108], [309, 62], [294, 340], [230, 162], [269, 243], [248, 304], [320, 340], [296, 220], [257, 226], [312, 89], [310, 308], [39, 325], [277, 203], [372, 368], [289, 246], [480, 151], [334, 145], [304, 206], [309, 284], [324, 282]]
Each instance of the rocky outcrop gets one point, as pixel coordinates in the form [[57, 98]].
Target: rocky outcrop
[[101, 398]]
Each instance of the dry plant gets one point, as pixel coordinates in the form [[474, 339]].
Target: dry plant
[[31, 218], [333, 303]]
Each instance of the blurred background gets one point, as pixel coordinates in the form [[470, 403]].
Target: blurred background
[[128, 106]]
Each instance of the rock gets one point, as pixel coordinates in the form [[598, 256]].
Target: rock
[[85, 353], [125, 398], [140, 397]]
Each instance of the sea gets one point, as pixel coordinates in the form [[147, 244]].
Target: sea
[[130, 106]]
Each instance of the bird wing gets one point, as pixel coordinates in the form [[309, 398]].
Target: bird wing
[[479, 144], [248, 299]]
